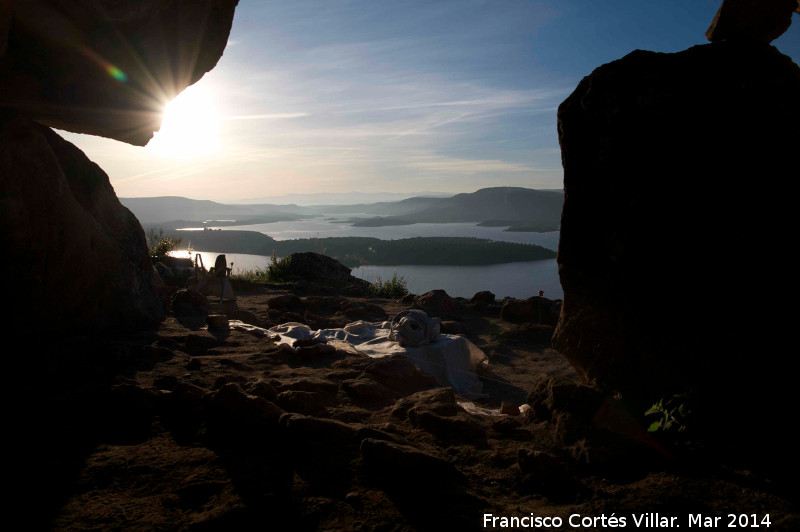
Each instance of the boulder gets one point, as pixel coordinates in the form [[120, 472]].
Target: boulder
[[752, 20], [217, 321], [484, 297], [532, 310], [105, 67], [75, 257], [316, 268], [437, 300], [665, 233]]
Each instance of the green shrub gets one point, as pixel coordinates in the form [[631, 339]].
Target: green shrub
[[672, 414], [159, 245], [279, 271], [394, 288]]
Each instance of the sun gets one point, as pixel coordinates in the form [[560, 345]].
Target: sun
[[190, 126]]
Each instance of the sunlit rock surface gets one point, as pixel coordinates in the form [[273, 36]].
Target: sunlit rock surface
[[675, 228], [106, 67]]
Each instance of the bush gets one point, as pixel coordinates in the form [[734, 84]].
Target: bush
[[279, 271], [159, 245], [395, 288]]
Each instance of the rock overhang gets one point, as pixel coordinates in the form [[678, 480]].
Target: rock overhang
[[106, 67]]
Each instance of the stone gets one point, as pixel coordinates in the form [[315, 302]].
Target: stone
[[637, 252], [166, 382], [452, 327], [229, 401], [441, 401], [369, 393], [329, 431], [222, 380], [105, 67], [308, 342], [245, 316], [485, 297], [293, 316], [458, 426], [391, 462], [263, 389], [307, 403], [314, 352], [437, 300], [318, 302], [285, 302], [752, 20], [399, 374], [190, 297], [532, 310], [509, 409], [408, 299], [217, 321], [261, 411], [316, 268], [561, 394], [77, 259]]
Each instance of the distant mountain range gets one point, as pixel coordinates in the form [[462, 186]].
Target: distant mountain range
[[342, 198], [525, 208]]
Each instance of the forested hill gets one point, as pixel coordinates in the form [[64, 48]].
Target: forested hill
[[512, 204], [353, 251]]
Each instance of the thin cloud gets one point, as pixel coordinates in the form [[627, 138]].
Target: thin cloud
[[267, 116], [443, 164]]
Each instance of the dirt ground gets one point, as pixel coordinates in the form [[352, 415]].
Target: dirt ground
[[181, 428]]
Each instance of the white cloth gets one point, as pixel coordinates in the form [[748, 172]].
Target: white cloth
[[451, 359]]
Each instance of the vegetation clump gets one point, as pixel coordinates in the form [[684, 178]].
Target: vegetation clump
[[394, 288], [279, 271], [159, 245], [672, 413]]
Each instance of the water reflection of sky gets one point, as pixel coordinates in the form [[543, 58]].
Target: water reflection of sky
[[516, 279]]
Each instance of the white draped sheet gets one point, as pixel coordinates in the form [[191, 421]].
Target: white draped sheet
[[451, 359]]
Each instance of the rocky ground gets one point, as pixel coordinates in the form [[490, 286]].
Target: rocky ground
[[186, 428]]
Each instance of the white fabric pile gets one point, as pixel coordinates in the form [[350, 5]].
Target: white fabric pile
[[450, 359]]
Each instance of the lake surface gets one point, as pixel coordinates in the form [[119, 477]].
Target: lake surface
[[321, 228], [515, 279]]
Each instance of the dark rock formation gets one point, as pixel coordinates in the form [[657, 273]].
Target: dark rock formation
[[105, 67], [316, 268], [74, 256], [534, 309], [752, 20], [675, 224], [436, 301], [483, 297], [77, 257]]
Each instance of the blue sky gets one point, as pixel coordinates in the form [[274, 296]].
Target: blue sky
[[392, 96]]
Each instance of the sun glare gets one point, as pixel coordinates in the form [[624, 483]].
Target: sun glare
[[190, 127]]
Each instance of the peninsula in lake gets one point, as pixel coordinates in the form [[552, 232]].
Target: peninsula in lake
[[517, 209]]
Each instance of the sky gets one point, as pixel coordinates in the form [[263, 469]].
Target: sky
[[376, 96]]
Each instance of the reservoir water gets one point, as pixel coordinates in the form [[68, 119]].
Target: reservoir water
[[515, 279]]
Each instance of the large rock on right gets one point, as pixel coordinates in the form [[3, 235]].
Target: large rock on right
[[675, 230]]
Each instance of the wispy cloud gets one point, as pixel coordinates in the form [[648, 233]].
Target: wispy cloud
[[442, 164], [266, 116]]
